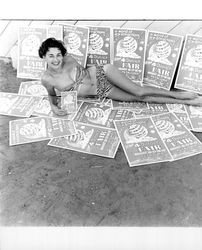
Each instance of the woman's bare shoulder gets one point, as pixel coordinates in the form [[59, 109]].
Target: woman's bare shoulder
[[69, 59], [46, 79]]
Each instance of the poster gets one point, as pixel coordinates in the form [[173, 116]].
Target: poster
[[129, 52], [195, 117], [38, 129], [141, 142], [129, 105], [189, 75], [181, 113], [13, 104], [34, 88], [90, 140], [99, 49], [44, 109], [69, 101], [96, 114], [76, 39], [162, 54], [30, 65], [153, 109], [179, 140]]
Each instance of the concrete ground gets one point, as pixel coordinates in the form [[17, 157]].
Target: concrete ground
[[47, 186]]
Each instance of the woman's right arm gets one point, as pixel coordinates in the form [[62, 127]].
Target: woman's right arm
[[54, 100]]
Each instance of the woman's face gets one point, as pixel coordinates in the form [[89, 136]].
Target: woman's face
[[54, 58]]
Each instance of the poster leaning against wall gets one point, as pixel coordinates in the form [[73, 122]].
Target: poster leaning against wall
[[162, 54], [29, 40], [99, 49], [190, 70], [76, 39], [129, 52]]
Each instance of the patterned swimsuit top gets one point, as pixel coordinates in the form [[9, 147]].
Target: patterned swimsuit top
[[80, 75]]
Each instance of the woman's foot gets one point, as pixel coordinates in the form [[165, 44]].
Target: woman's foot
[[196, 101]]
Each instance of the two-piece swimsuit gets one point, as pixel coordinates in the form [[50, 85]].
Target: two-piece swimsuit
[[103, 85]]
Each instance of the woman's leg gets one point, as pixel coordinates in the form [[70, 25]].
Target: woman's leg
[[118, 79], [121, 95]]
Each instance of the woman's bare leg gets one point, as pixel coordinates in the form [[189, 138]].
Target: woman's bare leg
[[120, 95], [118, 79]]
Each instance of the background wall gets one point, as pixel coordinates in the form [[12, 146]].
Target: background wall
[[9, 28]]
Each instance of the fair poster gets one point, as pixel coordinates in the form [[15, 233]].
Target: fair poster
[[195, 117], [38, 129], [129, 52], [141, 142], [153, 109], [180, 142], [99, 49], [93, 99], [69, 101], [108, 102], [34, 88], [181, 113], [44, 109], [13, 104], [162, 54], [76, 40], [55, 31], [189, 75], [121, 114], [96, 114], [129, 105], [30, 65], [90, 140]]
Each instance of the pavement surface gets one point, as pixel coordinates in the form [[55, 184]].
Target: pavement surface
[[47, 186]]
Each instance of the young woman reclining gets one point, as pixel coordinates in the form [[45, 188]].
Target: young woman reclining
[[64, 73]]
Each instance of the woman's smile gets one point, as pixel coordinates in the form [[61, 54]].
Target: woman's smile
[[54, 58]]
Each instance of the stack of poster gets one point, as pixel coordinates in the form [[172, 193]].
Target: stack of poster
[[129, 52], [76, 40], [141, 142], [178, 139], [189, 75], [34, 88], [90, 140], [29, 41], [38, 129], [18, 105], [162, 54], [99, 49]]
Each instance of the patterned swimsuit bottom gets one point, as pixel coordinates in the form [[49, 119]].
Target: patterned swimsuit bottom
[[103, 85]]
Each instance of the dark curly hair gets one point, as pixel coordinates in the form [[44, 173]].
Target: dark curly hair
[[51, 43]]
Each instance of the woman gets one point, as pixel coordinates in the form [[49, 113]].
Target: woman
[[64, 73]]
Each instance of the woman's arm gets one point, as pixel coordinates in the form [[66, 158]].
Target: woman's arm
[[54, 100]]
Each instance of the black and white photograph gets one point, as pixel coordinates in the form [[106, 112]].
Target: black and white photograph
[[100, 126]]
